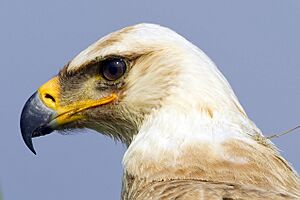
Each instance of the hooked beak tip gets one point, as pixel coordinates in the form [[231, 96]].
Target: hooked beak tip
[[28, 142]]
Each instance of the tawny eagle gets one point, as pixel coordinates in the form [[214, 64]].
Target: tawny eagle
[[187, 135]]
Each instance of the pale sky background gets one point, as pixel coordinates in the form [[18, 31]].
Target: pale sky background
[[255, 43]]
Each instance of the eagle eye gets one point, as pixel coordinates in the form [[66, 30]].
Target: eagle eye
[[113, 69]]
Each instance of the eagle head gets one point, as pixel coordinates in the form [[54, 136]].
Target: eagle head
[[123, 79]]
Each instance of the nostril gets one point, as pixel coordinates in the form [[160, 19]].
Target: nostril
[[48, 96]]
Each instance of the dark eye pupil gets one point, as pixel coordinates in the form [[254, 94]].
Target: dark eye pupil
[[113, 69]]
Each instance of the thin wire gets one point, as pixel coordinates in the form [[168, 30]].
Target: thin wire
[[284, 133]]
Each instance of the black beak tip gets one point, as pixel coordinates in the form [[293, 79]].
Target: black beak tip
[[28, 142], [27, 138], [26, 129]]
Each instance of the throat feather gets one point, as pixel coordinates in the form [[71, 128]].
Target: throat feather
[[171, 145], [169, 138]]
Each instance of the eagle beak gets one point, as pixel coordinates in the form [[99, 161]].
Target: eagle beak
[[39, 112], [35, 119], [43, 112]]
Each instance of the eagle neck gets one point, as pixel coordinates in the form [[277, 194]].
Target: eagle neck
[[175, 145]]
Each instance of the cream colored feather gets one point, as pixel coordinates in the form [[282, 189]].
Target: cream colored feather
[[196, 141]]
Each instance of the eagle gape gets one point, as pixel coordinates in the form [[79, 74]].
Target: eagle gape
[[188, 137]]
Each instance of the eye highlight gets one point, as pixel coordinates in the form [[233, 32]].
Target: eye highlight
[[113, 69]]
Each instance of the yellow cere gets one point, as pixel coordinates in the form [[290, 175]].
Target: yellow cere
[[49, 93]]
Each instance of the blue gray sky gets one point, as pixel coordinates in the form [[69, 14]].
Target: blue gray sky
[[255, 44]]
